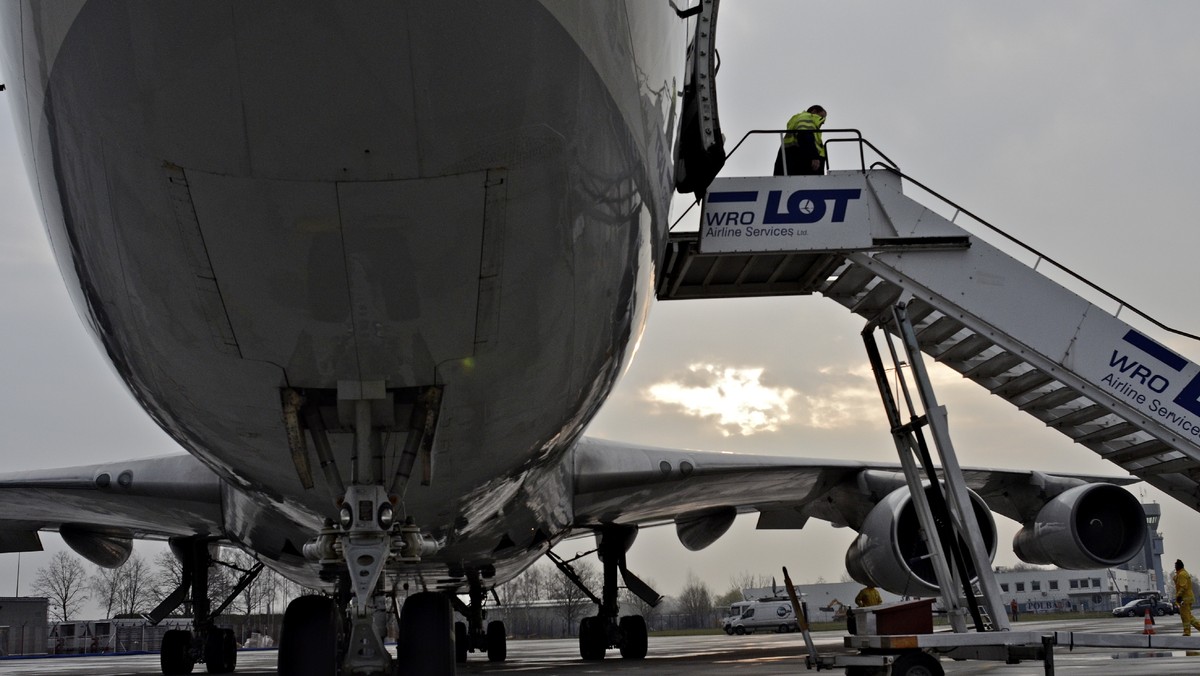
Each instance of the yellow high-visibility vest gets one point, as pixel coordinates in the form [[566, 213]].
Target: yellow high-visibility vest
[[806, 122]]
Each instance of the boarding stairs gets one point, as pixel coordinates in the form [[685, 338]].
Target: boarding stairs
[[1017, 332]]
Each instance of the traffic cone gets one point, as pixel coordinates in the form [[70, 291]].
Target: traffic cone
[[1148, 625]]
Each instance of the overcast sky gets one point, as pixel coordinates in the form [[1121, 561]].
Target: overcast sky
[[1070, 125]]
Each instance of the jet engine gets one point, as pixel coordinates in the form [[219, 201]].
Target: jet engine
[[890, 553], [1089, 526], [105, 549]]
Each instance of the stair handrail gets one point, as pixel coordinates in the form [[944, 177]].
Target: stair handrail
[[1121, 303]]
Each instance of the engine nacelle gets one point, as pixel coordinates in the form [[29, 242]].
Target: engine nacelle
[[105, 549], [890, 553], [1089, 526]]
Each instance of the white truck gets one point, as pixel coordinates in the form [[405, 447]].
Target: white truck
[[773, 614]]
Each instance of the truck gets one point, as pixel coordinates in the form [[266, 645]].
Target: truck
[[774, 614]]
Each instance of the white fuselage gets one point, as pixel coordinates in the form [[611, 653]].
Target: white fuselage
[[251, 197]]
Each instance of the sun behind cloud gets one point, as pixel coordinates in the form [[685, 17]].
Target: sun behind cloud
[[735, 398]]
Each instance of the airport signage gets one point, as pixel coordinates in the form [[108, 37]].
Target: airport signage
[[1149, 377], [786, 213]]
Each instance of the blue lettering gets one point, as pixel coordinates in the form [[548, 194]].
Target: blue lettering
[[809, 206], [1121, 362]]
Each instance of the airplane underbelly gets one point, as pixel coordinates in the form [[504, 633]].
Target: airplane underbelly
[[267, 196]]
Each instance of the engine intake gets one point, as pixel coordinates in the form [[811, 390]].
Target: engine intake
[[1089, 526], [890, 553]]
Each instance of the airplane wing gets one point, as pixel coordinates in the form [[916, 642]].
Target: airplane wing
[[99, 509], [1073, 521], [631, 484]]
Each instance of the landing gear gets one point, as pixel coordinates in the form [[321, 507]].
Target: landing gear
[[470, 636], [598, 634], [206, 643], [369, 539]]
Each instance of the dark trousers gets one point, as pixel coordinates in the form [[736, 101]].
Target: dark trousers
[[799, 162]]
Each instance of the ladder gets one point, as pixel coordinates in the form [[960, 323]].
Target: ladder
[[943, 507]]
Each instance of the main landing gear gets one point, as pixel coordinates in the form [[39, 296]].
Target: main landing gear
[[207, 643], [470, 636], [607, 630]]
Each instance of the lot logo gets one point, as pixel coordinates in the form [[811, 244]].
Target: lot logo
[[801, 206]]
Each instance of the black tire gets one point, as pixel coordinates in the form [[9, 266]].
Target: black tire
[[729, 630], [497, 641], [1131, 613], [1160, 612], [634, 637], [740, 631], [593, 639], [461, 645], [175, 657], [426, 635], [917, 664], [308, 643], [784, 628], [220, 652]]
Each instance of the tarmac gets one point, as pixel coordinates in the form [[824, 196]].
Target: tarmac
[[754, 655]]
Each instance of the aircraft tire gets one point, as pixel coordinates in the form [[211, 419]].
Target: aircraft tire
[[633, 637], [308, 643], [497, 641], [461, 642], [175, 658], [220, 652], [592, 639], [426, 635]]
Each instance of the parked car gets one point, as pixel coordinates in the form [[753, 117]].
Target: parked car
[[1138, 607]]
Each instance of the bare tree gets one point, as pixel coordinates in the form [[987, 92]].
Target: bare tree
[[518, 596], [695, 601], [136, 586], [65, 583], [575, 603], [105, 585]]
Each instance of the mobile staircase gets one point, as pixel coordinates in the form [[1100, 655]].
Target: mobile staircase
[[855, 237]]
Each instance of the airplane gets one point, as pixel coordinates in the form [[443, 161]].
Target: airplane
[[375, 267]]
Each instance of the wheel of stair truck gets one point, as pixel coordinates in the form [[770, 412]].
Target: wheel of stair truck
[[220, 652], [308, 643], [497, 641], [917, 664], [593, 641], [426, 644], [175, 657], [633, 637], [461, 646]]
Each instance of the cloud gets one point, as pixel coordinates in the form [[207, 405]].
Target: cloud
[[735, 398]]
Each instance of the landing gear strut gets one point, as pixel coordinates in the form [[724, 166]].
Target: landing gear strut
[[605, 630], [207, 643]]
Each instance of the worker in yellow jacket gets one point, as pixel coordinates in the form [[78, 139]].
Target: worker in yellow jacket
[[1184, 597], [803, 149], [869, 596]]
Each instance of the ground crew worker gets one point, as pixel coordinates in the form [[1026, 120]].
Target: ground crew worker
[[803, 150], [1184, 597], [869, 596], [1015, 608]]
